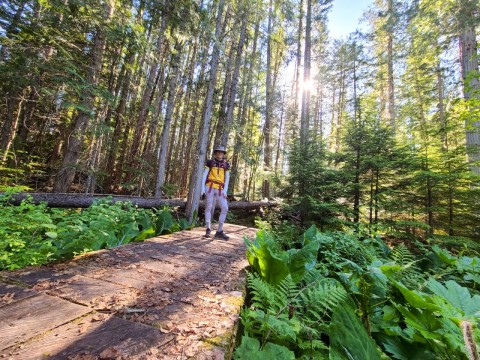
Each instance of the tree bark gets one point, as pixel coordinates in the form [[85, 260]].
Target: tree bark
[[85, 200], [390, 80], [233, 88], [471, 89], [196, 179], [168, 119], [65, 175], [305, 115], [147, 95], [267, 156], [240, 134]]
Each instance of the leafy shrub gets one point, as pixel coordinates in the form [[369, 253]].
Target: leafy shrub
[[349, 296], [35, 234]]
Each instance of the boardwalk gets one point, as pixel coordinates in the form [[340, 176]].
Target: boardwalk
[[171, 297]]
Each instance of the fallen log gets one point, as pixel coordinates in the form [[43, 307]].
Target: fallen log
[[75, 200]]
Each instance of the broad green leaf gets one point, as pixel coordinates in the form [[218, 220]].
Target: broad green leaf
[[164, 222], [261, 256], [414, 298], [250, 349], [402, 350], [456, 295], [51, 234], [348, 337], [309, 235], [145, 234], [302, 259]]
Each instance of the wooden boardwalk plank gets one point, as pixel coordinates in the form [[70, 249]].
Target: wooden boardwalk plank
[[175, 296], [94, 336], [11, 293], [32, 316]]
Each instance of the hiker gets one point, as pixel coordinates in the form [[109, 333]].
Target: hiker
[[215, 185]]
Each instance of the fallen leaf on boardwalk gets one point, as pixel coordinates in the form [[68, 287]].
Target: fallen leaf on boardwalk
[[82, 328], [7, 298], [110, 353], [99, 317]]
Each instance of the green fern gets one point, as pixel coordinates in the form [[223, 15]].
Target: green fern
[[318, 302], [264, 295], [408, 272], [286, 291]]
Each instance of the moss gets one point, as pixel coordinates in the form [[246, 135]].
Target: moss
[[222, 341], [234, 300]]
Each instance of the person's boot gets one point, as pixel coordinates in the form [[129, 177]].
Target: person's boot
[[207, 233], [221, 235]]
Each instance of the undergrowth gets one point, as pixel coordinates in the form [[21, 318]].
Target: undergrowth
[[33, 234], [349, 296]]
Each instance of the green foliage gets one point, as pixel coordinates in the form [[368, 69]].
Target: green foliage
[[312, 187], [359, 299], [35, 234], [349, 339], [274, 265], [250, 349]]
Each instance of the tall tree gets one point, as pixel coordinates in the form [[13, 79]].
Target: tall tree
[[65, 175], [196, 178], [307, 82], [471, 84], [174, 68], [267, 157]]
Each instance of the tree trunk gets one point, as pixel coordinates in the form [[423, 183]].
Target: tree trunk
[[65, 175], [233, 89], [196, 179], [222, 110], [305, 116], [267, 156], [240, 134], [85, 200], [147, 95], [471, 89], [280, 131], [168, 119], [191, 140], [298, 63], [181, 150], [391, 87], [10, 125], [118, 121]]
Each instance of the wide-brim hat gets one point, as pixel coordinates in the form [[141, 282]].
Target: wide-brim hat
[[220, 148]]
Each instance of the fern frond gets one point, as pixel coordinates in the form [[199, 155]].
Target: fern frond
[[286, 291], [401, 255], [317, 302], [263, 294], [410, 273]]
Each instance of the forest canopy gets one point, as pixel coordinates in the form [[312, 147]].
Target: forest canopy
[[380, 127]]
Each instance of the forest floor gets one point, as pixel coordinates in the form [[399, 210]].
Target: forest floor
[[170, 297]]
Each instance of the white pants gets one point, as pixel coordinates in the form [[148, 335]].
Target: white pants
[[212, 197]]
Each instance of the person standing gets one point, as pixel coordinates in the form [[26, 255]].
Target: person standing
[[216, 177]]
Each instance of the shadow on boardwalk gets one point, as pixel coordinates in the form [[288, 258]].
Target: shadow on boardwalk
[[172, 297]]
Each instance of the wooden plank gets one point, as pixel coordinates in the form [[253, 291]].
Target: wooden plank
[[94, 336], [32, 276], [95, 293], [188, 286], [35, 315], [11, 293], [133, 278]]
